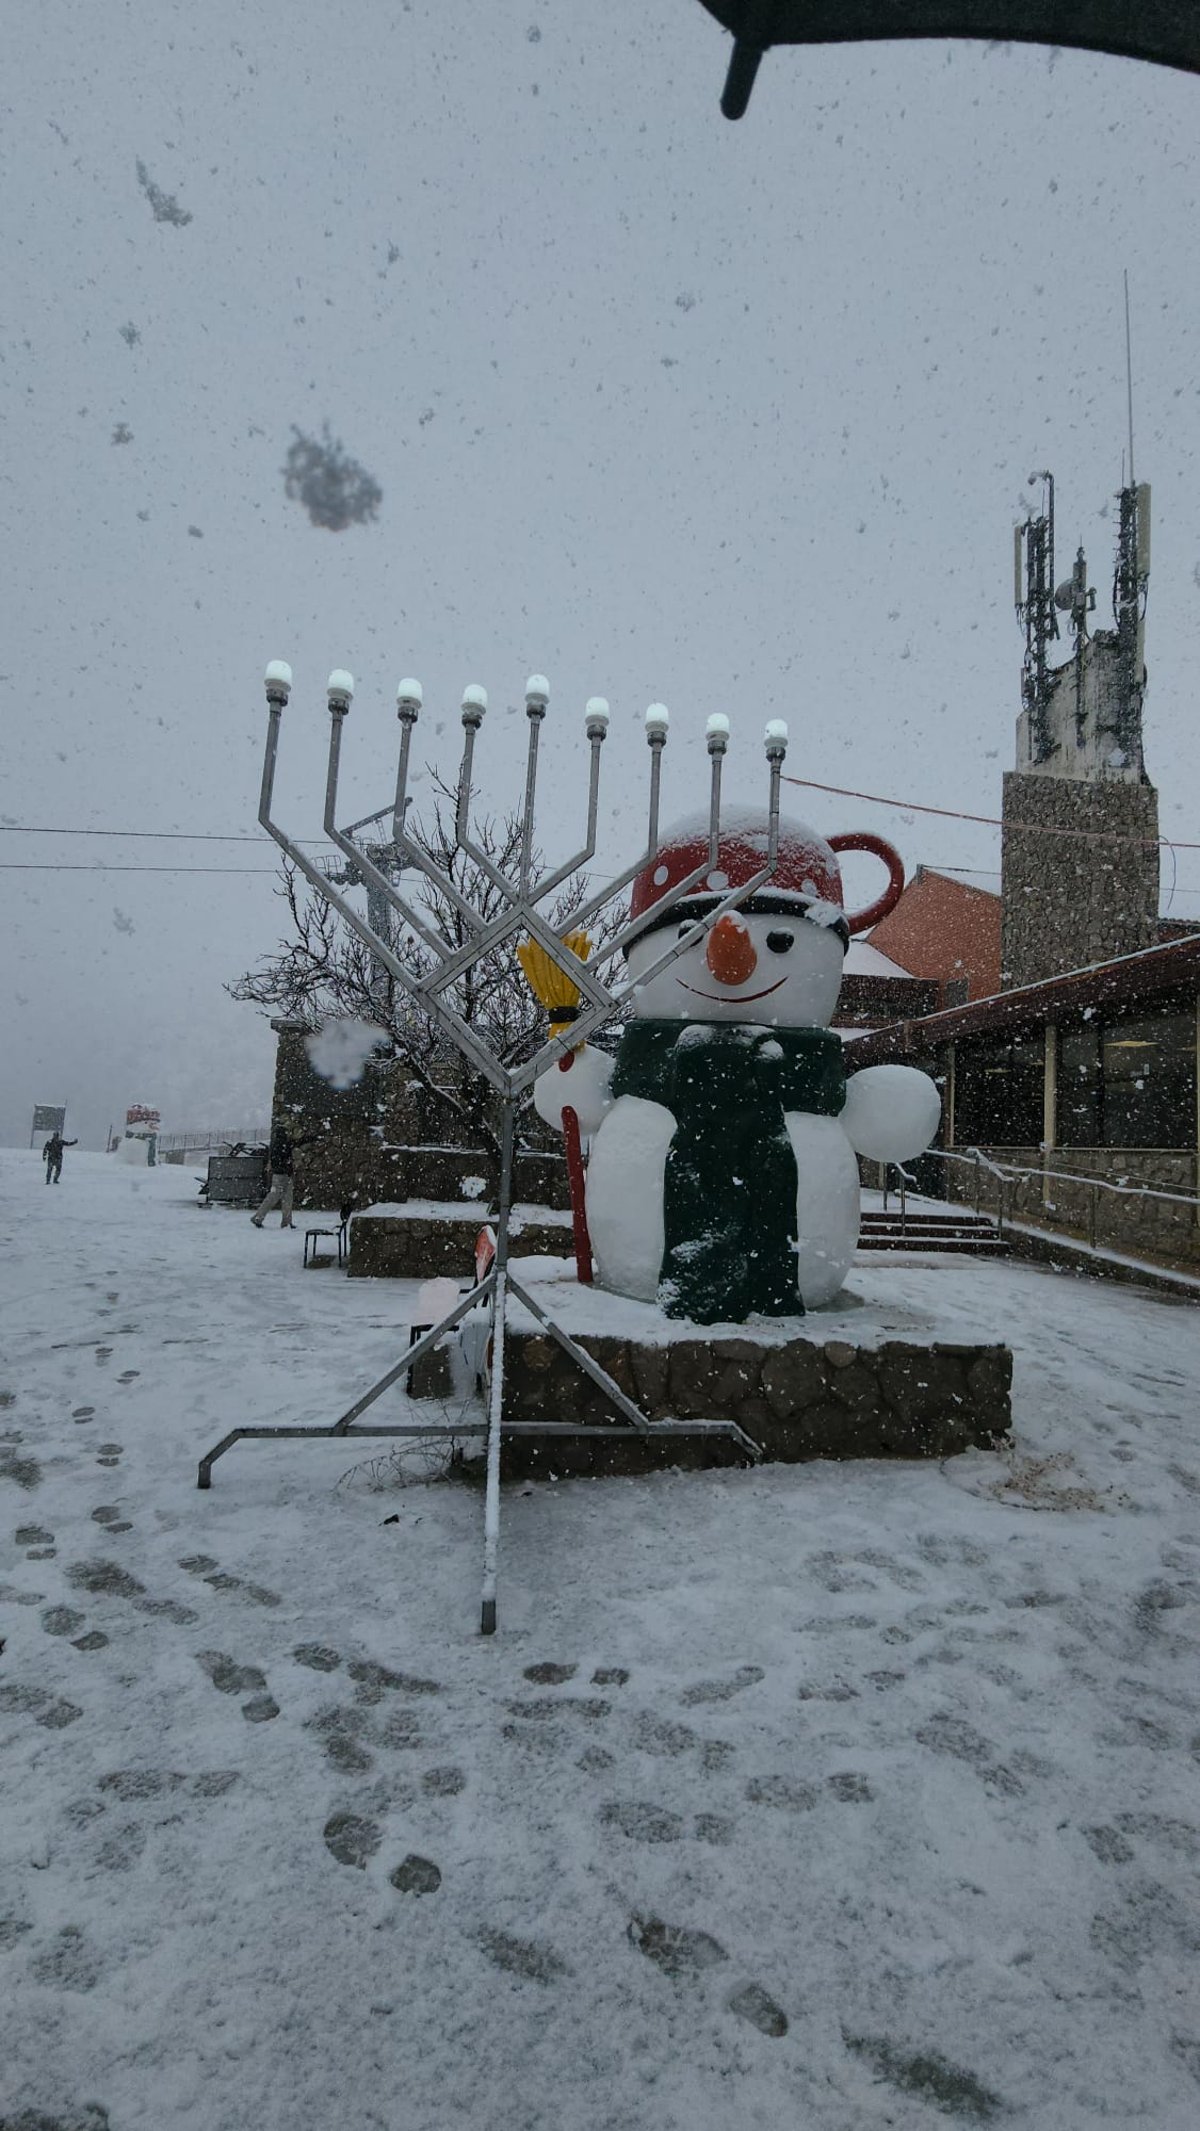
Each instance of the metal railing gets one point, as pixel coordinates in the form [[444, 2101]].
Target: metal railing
[[903, 1181], [211, 1139], [1008, 1174]]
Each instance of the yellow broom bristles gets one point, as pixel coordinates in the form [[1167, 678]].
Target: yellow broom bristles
[[550, 985]]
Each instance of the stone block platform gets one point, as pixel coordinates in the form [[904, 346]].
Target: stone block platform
[[834, 1391], [421, 1239]]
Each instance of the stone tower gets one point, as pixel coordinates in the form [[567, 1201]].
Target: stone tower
[[1079, 856]]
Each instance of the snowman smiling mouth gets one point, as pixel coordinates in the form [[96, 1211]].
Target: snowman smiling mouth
[[721, 996]]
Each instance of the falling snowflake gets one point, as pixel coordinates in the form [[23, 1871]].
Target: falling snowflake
[[334, 489], [339, 1051], [164, 206]]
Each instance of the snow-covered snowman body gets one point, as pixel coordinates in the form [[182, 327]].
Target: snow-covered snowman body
[[723, 1178]]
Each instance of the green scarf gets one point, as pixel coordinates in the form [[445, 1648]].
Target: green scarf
[[730, 1187]]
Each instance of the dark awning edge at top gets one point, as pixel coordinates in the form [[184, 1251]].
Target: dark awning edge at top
[[1164, 32]]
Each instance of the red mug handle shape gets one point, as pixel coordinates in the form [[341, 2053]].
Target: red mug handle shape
[[863, 840]]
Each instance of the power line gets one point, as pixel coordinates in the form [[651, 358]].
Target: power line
[[990, 821], [191, 836], [272, 872], [17, 865]]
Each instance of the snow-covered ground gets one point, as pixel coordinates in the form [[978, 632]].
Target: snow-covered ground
[[903, 1757]]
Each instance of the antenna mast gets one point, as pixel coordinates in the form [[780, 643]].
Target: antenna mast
[[1034, 560], [1129, 377], [1131, 582]]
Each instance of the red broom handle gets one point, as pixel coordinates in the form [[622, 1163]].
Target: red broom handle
[[574, 1150]]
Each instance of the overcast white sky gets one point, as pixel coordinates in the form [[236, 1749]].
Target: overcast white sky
[[735, 416]]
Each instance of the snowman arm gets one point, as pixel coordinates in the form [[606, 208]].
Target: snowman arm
[[584, 1084], [891, 1112]]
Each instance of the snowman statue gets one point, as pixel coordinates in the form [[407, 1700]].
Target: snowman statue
[[722, 1179]]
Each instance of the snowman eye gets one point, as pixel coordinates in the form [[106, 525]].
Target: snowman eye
[[779, 942]]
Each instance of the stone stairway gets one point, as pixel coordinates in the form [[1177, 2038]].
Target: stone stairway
[[948, 1230]]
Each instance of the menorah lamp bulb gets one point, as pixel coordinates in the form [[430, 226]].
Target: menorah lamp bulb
[[410, 692], [474, 703], [537, 692], [658, 718], [596, 713], [717, 727], [278, 674], [341, 685], [775, 734]]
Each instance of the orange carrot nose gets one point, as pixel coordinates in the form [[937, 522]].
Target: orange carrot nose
[[730, 952]]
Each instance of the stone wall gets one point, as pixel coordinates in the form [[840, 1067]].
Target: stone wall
[[1070, 900], [388, 1139], [1124, 1220], [803, 1399], [420, 1246]]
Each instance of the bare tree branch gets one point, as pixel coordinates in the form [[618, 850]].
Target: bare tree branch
[[321, 971]]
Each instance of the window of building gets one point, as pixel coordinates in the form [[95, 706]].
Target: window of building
[[999, 1092], [1128, 1083]]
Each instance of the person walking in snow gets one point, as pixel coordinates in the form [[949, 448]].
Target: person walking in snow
[[52, 1154], [282, 1162]]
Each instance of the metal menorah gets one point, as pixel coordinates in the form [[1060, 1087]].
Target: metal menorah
[[601, 991]]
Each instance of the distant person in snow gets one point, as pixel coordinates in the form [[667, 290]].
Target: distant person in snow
[[282, 1161], [52, 1154]]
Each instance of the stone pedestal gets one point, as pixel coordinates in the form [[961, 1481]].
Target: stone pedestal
[[800, 1398]]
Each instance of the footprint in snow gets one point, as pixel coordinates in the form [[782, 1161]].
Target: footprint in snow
[[658, 1735], [108, 1579], [62, 1620], [351, 1839], [416, 1875], [228, 1677], [443, 1782], [642, 1822], [68, 1963], [679, 1952], [317, 1656], [44, 1708], [373, 1681], [37, 1541], [545, 1708], [529, 1958], [722, 1690], [686, 1955], [26, 1472], [218, 1579], [342, 1730]]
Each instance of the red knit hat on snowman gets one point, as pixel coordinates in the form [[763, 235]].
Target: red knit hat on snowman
[[806, 881]]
